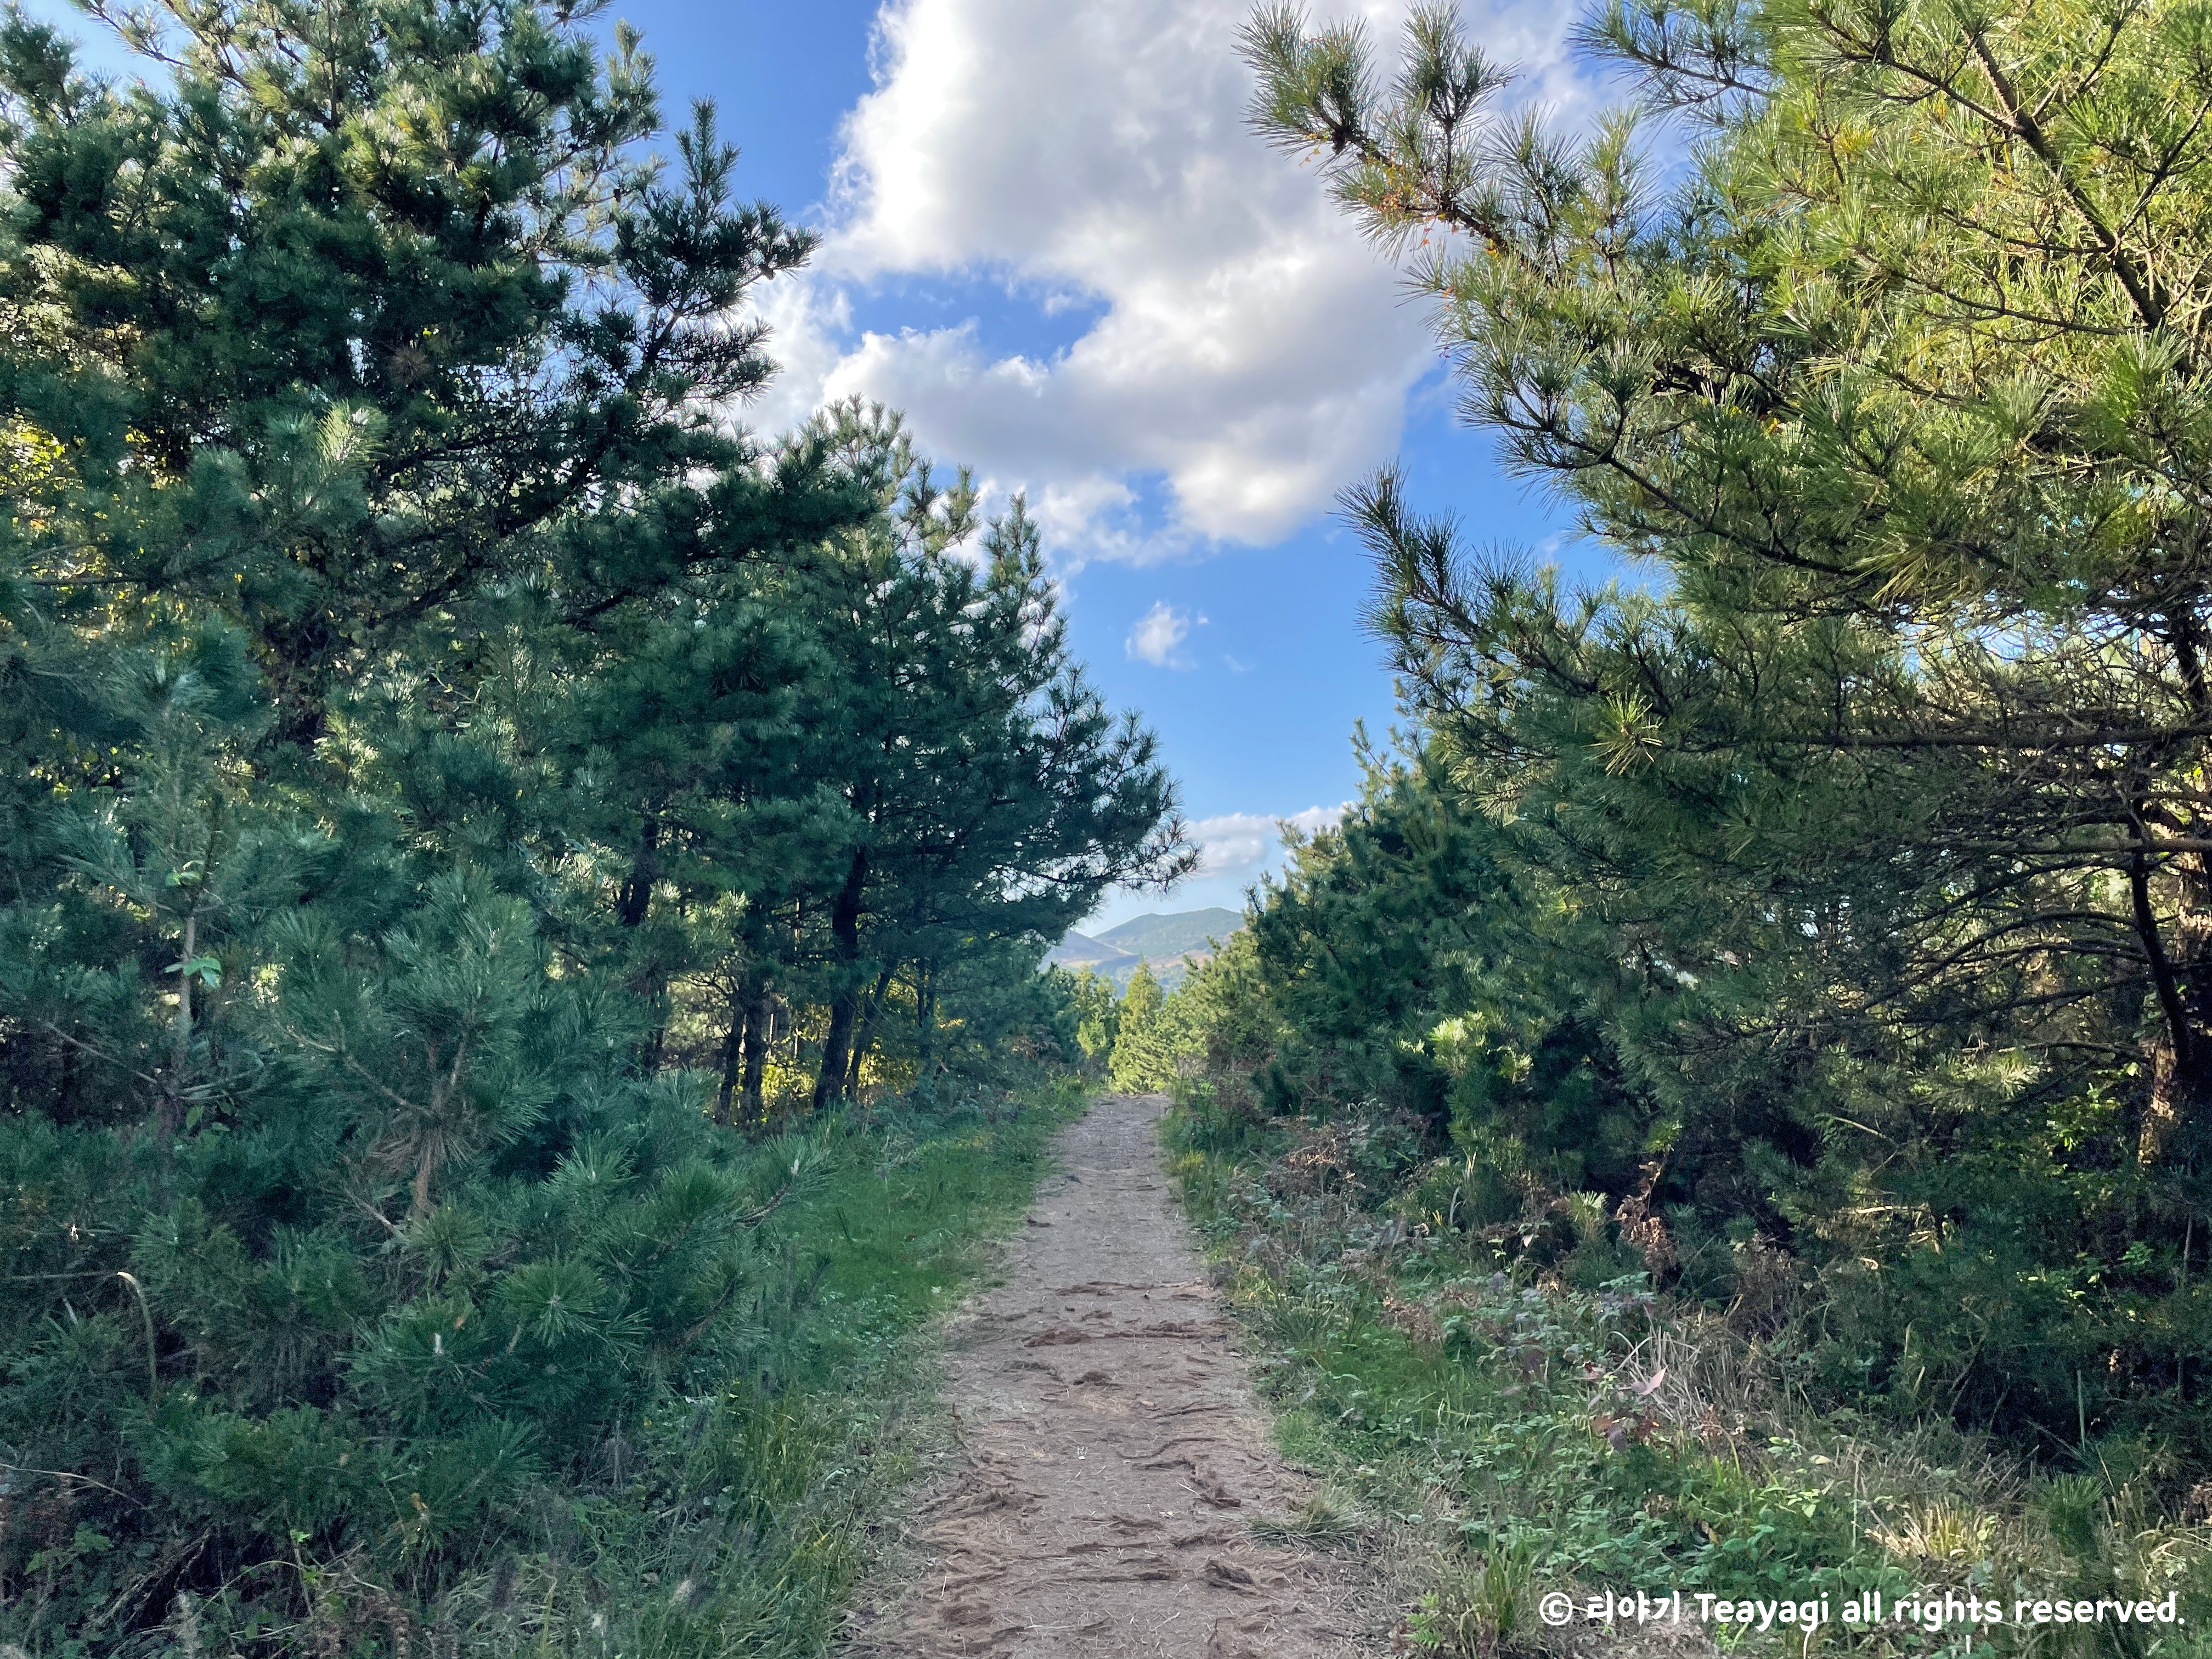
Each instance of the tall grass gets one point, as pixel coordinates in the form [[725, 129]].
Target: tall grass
[[1509, 1410], [754, 1510]]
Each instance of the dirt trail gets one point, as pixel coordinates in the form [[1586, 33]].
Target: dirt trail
[[1113, 1458]]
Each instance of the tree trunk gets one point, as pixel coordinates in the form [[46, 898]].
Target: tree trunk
[[924, 1021], [632, 905], [757, 1018], [844, 1010], [181, 1046], [733, 1047], [2181, 1066], [426, 1171], [866, 1031], [2181, 1063], [636, 894]]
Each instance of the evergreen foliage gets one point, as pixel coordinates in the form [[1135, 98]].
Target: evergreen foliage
[[1835, 907], [442, 746], [1142, 1060], [1096, 1006]]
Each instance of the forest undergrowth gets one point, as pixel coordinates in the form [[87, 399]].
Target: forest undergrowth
[[1509, 1410], [728, 1520], [752, 1512]]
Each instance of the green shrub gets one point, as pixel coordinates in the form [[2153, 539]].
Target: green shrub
[[654, 1331]]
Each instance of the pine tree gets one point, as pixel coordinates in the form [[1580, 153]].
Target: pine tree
[[1857, 846], [1893, 384], [416, 694], [1098, 1010], [1142, 1060], [453, 330], [989, 794]]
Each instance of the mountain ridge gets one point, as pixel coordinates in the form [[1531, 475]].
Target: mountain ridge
[[1170, 943]]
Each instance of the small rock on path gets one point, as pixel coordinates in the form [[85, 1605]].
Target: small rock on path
[[1114, 1455]]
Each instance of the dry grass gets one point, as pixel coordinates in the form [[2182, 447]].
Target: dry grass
[[1706, 1391]]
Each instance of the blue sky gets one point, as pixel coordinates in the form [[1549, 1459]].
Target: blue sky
[[1049, 237]]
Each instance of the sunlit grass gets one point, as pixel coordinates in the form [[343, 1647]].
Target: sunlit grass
[[1494, 1430], [755, 1509]]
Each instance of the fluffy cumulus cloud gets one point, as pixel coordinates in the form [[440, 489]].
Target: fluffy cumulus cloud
[[1239, 845], [1158, 635], [1245, 354]]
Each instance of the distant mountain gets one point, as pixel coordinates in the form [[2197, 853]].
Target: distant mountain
[[1164, 938], [1170, 945], [1080, 950]]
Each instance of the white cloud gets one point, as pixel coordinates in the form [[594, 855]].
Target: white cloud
[[1158, 635], [1249, 355], [1242, 844], [1238, 848]]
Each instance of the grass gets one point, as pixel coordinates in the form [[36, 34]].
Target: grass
[[1504, 1425], [746, 1515]]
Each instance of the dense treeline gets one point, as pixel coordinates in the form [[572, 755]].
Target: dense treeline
[[450, 768], [1833, 905]]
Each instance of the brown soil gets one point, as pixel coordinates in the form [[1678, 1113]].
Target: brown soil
[[1112, 1457]]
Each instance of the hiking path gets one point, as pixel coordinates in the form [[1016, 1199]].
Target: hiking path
[[1111, 1458]]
